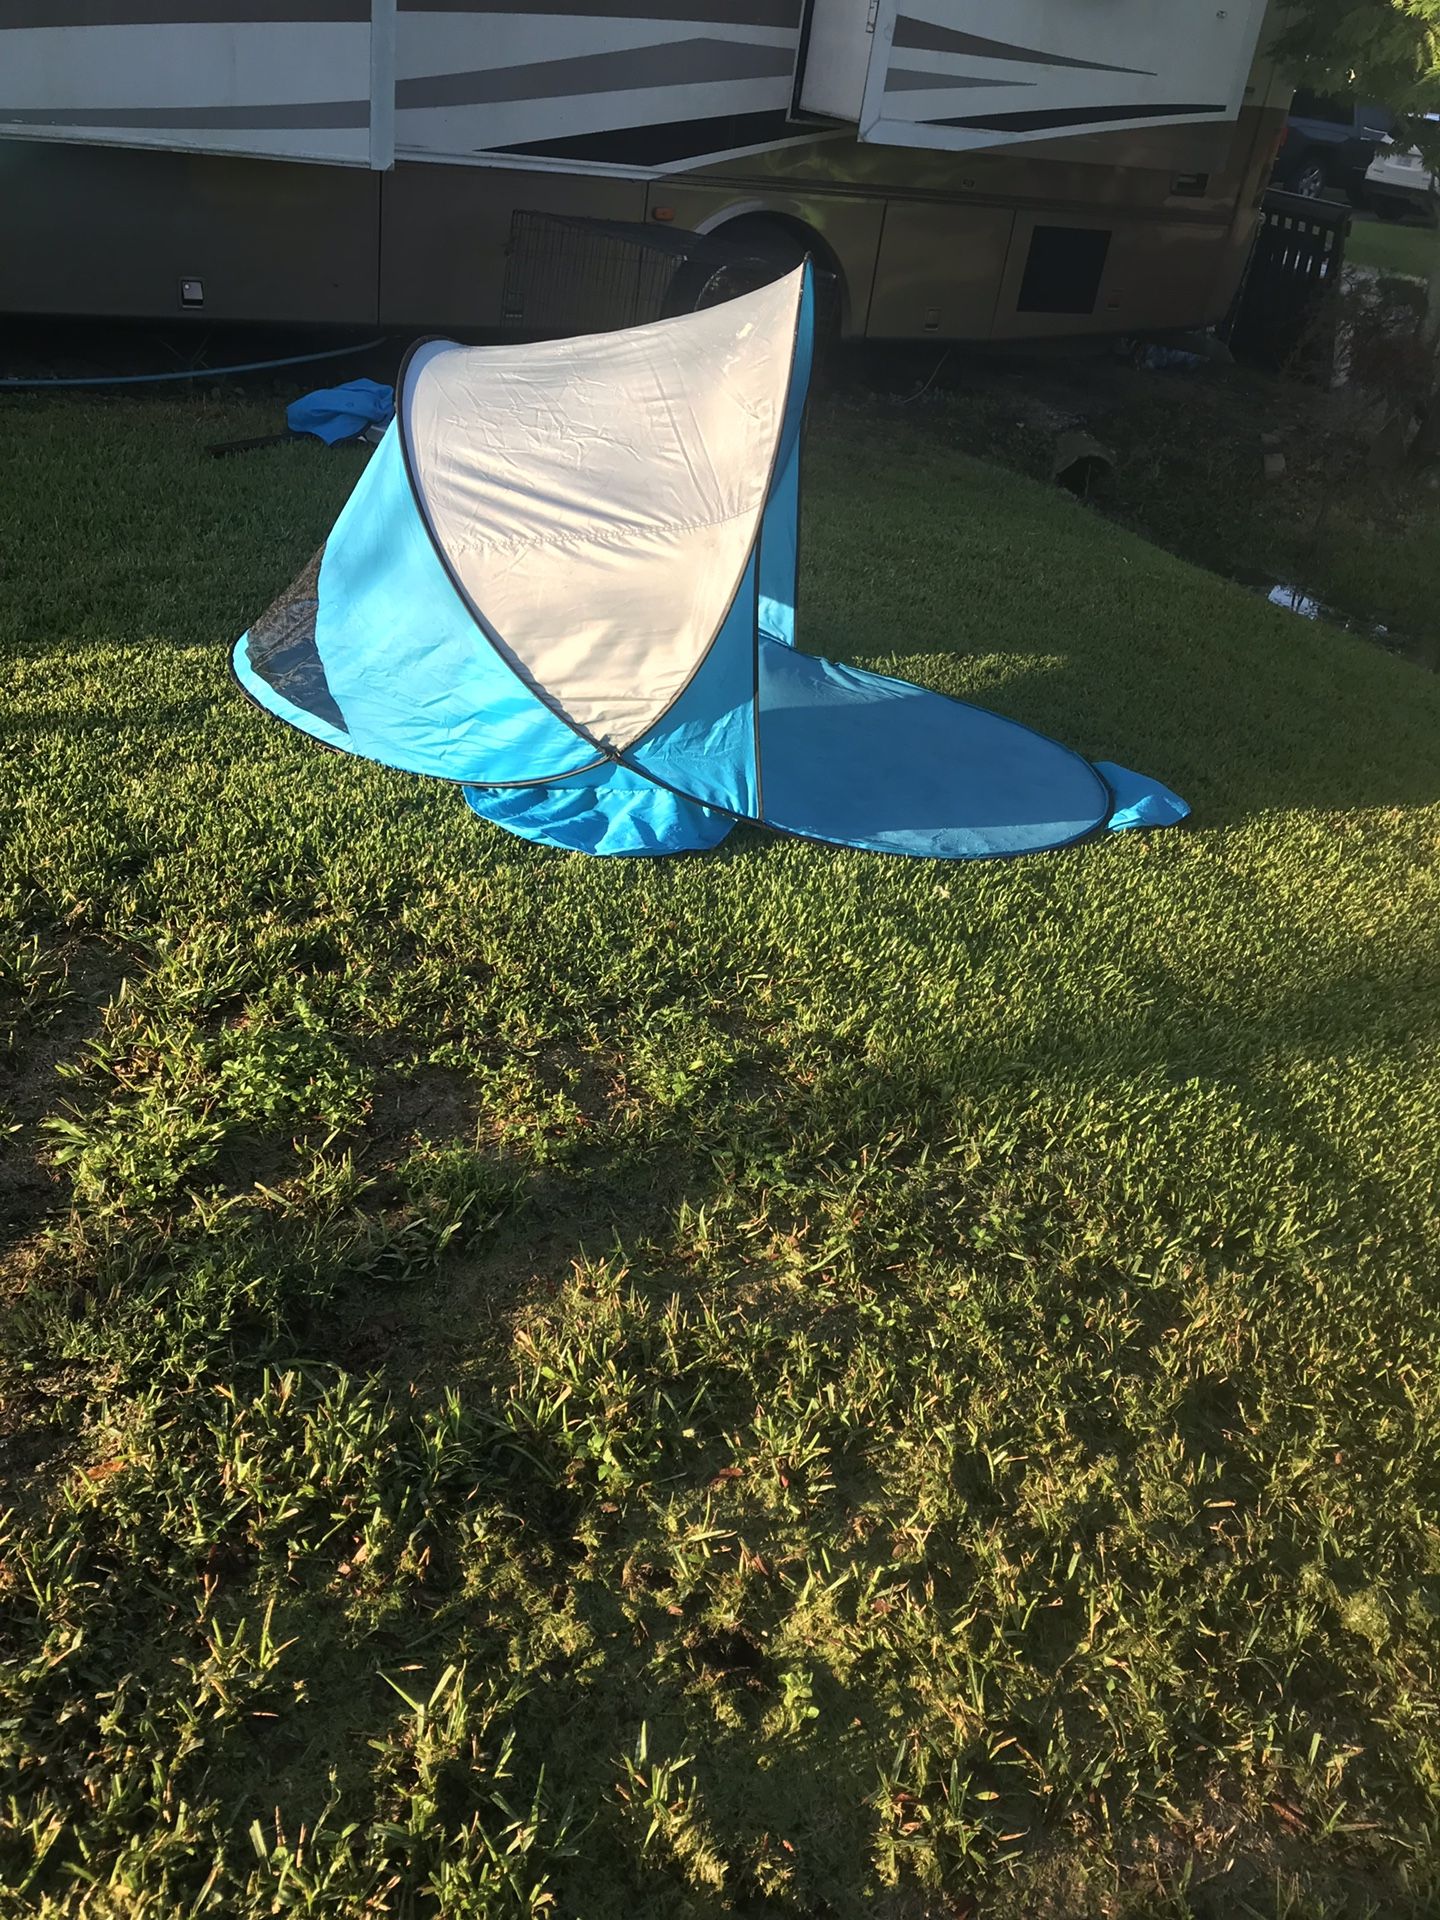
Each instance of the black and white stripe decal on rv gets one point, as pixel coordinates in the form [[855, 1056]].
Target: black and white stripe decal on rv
[[921, 36], [673, 63], [924, 36], [21, 14], [636, 47], [638, 85], [300, 116], [673, 142], [912, 80], [1061, 117], [782, 14], [157, 67]]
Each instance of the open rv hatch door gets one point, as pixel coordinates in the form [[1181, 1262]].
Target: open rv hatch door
[[967, 73], [278, 79]]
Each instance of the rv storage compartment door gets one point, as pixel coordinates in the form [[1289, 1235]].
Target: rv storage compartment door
[[280, 79], [968, 73]]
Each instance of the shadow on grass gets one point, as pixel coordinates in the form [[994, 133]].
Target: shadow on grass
[[524, 1561], [520, 1564]]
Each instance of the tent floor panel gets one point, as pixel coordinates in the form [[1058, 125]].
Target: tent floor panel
[[865, 761]]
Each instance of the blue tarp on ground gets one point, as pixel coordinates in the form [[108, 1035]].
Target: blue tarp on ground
[[333, 414]]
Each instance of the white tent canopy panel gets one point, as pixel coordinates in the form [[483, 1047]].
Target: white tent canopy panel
[[598, 500]]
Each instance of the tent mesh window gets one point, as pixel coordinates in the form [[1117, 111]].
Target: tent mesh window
[[281, 648]]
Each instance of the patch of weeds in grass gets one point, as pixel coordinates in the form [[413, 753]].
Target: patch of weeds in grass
[[1355, 536]]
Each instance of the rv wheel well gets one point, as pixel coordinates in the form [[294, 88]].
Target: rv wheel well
[[790, 240]]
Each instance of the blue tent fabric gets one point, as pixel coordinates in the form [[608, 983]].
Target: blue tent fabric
[[334, 414], [882, 764], [610, 810], [434, 632], [398, 655], [1139, 800]]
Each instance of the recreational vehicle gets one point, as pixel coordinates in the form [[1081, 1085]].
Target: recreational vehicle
[[960, 170]]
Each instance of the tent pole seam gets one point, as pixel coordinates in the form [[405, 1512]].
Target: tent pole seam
[[751, 553], [755, 674]]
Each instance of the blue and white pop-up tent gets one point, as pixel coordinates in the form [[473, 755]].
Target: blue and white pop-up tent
[[567, 582]]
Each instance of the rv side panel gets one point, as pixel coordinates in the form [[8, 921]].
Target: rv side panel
[[447, 229], [633, 84], [939, 271], [964, 73], [290, 79], [1105, 276], [86, 230], [836, 58]]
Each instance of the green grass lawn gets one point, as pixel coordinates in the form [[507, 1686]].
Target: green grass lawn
[[781, 1383], [1393, 247]]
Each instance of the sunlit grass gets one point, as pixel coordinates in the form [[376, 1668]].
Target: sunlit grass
[[777, 1383], [1393, 247]]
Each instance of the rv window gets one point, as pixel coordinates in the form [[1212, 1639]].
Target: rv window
[[1063, 269]]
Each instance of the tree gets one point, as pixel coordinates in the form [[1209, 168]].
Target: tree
[[1387, 51]]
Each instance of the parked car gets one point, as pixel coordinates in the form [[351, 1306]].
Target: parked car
[[1328, 145], [1400, 183]]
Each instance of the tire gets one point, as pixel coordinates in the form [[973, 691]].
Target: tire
[[760, 255], [1311, 179], [763, 251]]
